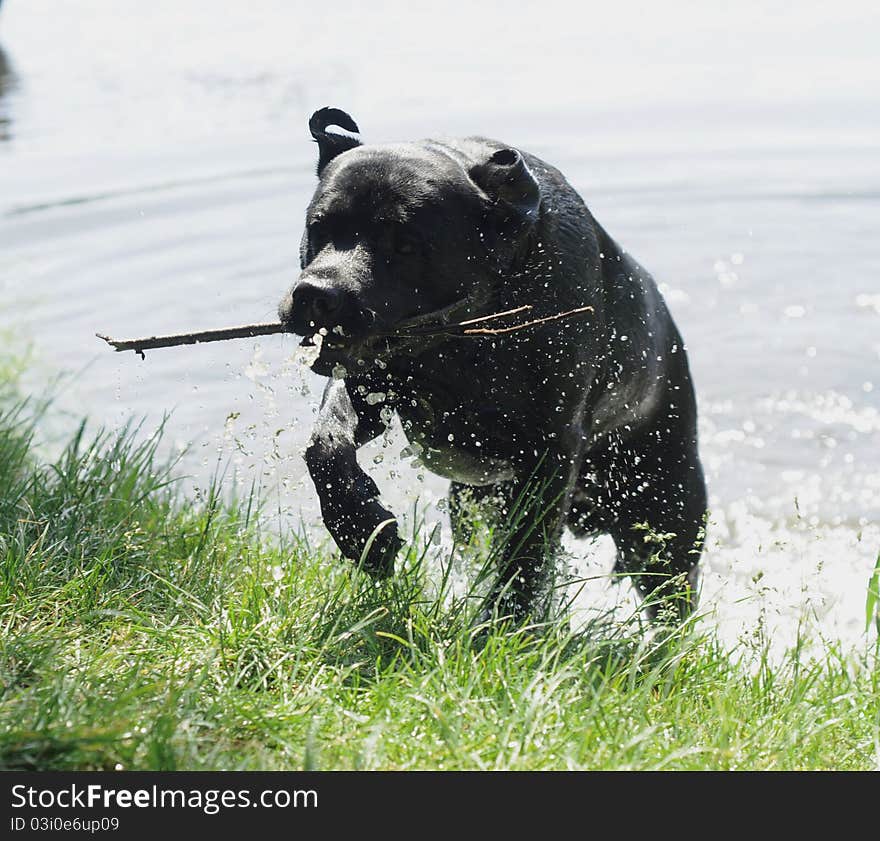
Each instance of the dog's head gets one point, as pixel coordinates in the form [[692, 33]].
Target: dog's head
[[401, 231]]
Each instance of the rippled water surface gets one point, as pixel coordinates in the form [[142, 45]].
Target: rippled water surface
[[155, 166]]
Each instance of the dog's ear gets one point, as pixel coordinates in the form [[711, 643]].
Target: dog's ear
[[507, 180], [329, 144]]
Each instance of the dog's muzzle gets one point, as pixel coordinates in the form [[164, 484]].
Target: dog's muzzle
[[309, 307]]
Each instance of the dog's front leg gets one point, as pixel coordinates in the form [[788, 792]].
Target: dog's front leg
[[541, 498], [362, 528]]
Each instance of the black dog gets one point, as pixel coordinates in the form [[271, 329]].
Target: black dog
[[586, 421]]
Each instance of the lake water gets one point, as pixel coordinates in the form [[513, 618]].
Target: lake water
[[155, 166]]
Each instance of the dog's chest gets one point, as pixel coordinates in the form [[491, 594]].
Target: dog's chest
[[464, 435], [468, 450]]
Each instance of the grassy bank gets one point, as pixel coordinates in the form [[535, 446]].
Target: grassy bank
[[142, 629]]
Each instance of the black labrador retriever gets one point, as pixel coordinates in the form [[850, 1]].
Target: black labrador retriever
[[586, 421]]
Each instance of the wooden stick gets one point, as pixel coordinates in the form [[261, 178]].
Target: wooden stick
[[245, 331], [447, 328], [496, 315], [462, 328], [489, 331], [443, 327]]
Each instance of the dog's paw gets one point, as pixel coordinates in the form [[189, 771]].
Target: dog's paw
[[377, 558], [367, 535]]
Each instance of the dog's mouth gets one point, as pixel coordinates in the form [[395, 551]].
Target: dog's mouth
[[326, 349], [327, 352], [336, 340]]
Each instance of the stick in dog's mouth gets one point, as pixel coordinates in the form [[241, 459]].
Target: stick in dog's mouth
[[434, 324], [477, 326], [437, 324]]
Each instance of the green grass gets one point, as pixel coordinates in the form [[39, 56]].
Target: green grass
[[143, 629]]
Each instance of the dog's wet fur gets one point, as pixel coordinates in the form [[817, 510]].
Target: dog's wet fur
[[592, 419]]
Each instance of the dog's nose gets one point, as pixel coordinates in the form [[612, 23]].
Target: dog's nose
[[310, 307], [317, 304]]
